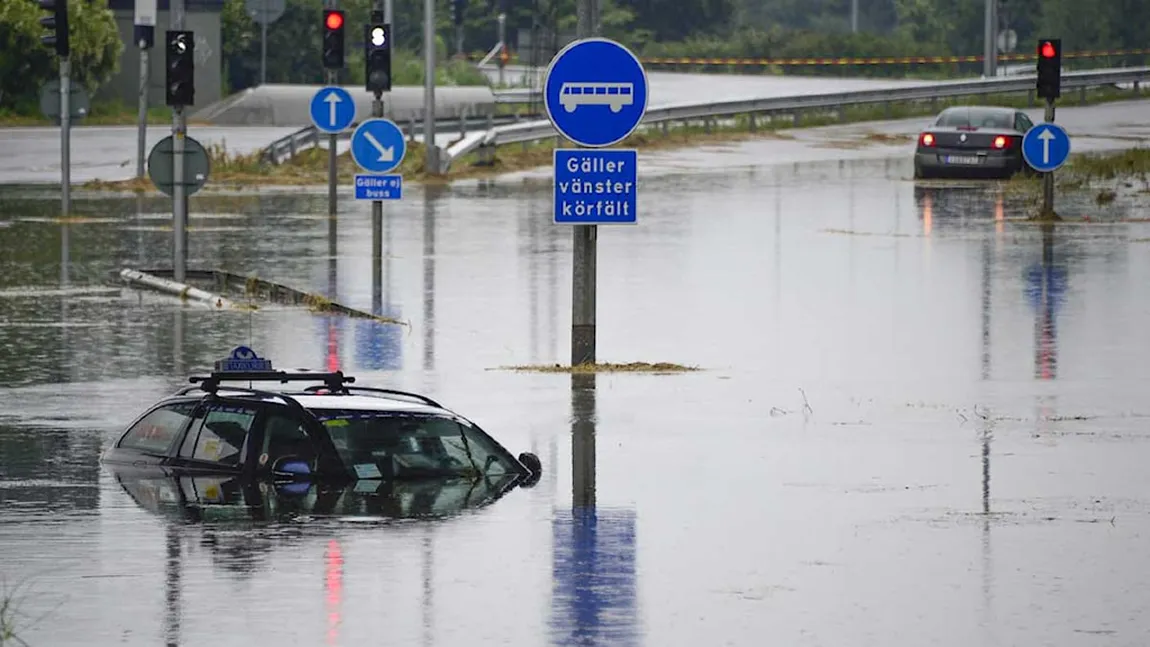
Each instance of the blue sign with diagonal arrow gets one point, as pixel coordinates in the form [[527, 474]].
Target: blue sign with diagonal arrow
[[332, 110], [378, 146]]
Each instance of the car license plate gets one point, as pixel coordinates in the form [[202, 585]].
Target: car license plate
[[963, 159]]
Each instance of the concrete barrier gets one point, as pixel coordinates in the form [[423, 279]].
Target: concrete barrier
[[288, 105]]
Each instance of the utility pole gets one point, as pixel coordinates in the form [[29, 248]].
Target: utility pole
[[585, 241], [57, 38], [432, 161], [502, 44], [854, 16], [990, 45]]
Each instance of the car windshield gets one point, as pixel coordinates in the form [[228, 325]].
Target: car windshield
[[975, 118], [382, 444]]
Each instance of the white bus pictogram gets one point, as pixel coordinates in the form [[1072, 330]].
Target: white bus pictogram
[[614, 95]]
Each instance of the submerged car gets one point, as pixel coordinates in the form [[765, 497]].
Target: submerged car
[[330, 430], [973, 141]]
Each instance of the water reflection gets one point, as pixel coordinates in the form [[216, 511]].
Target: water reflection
[[1046, 283], [594, 589], [431, 195]]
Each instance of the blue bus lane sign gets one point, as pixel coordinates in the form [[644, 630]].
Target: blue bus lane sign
[[379, 187], [596, 186]]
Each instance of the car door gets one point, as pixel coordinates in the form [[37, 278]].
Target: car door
[[220, 437]]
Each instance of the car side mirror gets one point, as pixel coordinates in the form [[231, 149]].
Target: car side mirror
[[290, 467], [534, 465]]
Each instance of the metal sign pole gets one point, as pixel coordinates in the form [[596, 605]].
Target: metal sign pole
[[584, 246], [179, 194], [145, 24], [1048, 178], [65, 134], [142, 117]]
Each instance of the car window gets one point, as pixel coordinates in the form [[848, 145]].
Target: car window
[[156, 432], [1025, 123], [220, 436], [284, 435], [376, 444], [974, 118]]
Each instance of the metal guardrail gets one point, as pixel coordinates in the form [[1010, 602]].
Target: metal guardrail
[[518, 95], [542, 129], [289, 146]]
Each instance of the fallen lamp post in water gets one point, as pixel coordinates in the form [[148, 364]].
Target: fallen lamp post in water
[[229, 287]]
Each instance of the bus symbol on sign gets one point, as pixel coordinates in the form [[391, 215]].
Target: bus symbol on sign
[[614, 95]]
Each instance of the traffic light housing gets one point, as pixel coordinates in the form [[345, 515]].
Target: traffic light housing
[[377, 41], [333, 20], [458, 8], [181, 68], [57, 25], [1049, 68]]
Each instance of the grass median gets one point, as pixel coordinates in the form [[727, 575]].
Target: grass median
[[231, 171]]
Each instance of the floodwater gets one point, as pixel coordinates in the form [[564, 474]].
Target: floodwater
[[920, 420]]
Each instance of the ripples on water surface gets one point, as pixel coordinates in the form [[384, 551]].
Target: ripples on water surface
[[920, 423]]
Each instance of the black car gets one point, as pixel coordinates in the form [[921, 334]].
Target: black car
[[331, 431], [973, 141]]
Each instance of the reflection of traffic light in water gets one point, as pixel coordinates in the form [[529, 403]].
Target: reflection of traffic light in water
[[332, 346], [333, 587]]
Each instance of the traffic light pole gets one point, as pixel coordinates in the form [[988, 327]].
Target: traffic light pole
[[66, 134], [1048, 178], [332, 79], [179, 191]]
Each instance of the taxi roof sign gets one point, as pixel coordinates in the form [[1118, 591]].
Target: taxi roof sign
[[243, 360]]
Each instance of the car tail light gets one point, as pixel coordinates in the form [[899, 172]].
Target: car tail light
[[1001, 142], [926, 139]]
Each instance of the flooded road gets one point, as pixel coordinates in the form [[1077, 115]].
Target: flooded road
[[921, 422]]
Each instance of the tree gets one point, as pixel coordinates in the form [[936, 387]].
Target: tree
[[26, 64]]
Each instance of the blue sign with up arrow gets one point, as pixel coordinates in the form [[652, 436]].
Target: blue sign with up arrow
[[332, 110], [596, 92], [1045, 147], [378, 146]]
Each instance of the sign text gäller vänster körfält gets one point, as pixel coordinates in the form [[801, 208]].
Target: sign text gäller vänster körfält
[[595, 184]]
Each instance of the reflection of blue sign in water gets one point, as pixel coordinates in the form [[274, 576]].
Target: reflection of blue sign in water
[[379, 345], [594, 600], [596, 92], [243, 359], [378, 146], [1054, 278], [596, 187], [332, 109], [1045, 147]]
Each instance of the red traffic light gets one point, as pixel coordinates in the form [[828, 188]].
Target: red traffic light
[[334, 20], [1047, 50]]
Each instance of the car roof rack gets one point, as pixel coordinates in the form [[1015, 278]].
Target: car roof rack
[[369, 389], [211, 383], [239, 390]]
